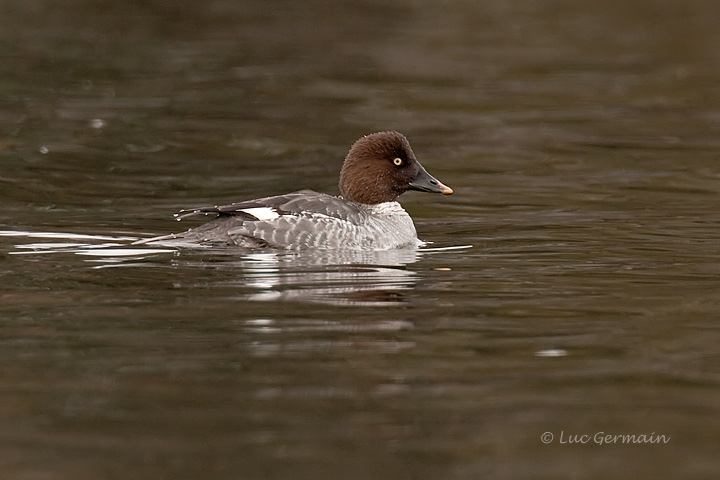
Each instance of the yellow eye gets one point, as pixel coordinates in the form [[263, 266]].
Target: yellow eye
[[397, 161]]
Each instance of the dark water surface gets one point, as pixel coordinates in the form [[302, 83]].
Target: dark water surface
[[582, 140]]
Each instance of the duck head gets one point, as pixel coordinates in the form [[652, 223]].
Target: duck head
[[382, 166]]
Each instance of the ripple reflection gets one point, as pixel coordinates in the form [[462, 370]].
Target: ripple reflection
[[340, 278], [329, 277]]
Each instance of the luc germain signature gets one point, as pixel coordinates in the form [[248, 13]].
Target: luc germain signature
[[604, 438]]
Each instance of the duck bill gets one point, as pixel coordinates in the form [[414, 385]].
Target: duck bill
[[424, 182]]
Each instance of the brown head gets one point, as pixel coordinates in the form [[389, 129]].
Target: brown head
[[382, 166]]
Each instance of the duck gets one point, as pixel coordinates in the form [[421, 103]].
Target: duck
[[365, 216]]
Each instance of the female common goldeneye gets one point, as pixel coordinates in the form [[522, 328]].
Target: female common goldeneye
[[367, 216]]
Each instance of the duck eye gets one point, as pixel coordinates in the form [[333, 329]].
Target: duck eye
[[398, 161]]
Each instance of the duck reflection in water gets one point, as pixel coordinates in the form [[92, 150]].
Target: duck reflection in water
[[330, 277]]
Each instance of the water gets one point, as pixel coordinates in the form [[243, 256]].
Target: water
[[570, 286]]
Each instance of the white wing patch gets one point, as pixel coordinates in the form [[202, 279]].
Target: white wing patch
[[262, 213]]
